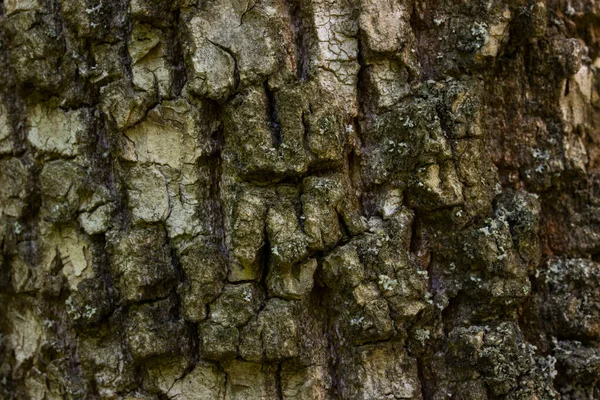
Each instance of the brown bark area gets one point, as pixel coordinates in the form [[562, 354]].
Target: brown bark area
[[299, 199]]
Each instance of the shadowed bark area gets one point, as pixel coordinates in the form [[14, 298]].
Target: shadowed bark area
[[299, 199]]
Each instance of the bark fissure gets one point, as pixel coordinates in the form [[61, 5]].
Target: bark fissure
[[293, 199]]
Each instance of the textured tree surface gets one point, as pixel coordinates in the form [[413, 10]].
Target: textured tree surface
[[299, 199]]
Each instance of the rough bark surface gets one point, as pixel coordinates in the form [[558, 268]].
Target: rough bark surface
[[299, 199]]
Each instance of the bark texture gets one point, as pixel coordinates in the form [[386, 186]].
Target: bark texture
[[299, 199]]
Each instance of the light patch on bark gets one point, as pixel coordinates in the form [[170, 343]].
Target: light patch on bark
[[203, 383], [6, 145], [574, 105], [26, 334], [74, 252], [15, 6], [55, 130]]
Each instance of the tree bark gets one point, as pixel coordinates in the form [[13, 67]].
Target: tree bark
[[299, 199]]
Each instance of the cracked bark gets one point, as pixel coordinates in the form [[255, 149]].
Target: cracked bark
[[299, 199]]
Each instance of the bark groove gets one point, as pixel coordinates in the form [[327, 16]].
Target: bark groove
[[299, 199]]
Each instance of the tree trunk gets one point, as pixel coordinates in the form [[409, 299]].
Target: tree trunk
[[299, 199]]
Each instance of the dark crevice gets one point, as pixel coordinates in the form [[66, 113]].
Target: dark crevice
[[443, 112], [179, 72], [320, 297], [175, 262], [422, 58], [101, 265], [357, 143], [426, 386], [192, 330], [266, 177], [263, 262], [354, 158], [31, 215], [5, 277], [210, 168], [361, 85], [274, 122], [301, 39], [346, 235], [152, 300], [324, 168], [449, 313], [124, 50], [122, 218], [278, 382], [415, 237]]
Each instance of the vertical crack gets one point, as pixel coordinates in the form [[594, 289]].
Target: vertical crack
[[216, 171], [179, 72], [301, 39], [278, 382], [274, 123]]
